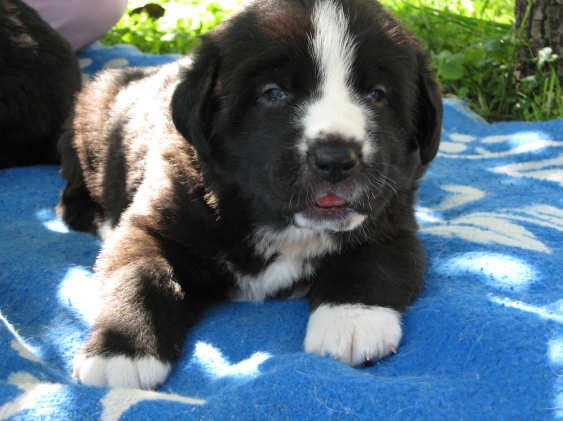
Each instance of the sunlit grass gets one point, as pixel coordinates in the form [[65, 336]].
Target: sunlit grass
[[176, 32], [490, 10]]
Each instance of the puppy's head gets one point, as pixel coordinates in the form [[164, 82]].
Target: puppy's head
[[318, 112]]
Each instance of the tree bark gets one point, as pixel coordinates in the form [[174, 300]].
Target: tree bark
[[538, 27]]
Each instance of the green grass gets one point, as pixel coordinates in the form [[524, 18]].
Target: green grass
[[176, 32], [471, 44], [473, 53]]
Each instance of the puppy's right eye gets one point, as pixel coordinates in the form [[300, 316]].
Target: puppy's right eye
[[275, 94], [377, 94]]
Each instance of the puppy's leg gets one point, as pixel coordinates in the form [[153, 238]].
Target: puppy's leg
[[146, 311], [76, 207], [357, 302]]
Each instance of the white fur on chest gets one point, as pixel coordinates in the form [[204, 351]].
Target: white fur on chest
[[292, 251]]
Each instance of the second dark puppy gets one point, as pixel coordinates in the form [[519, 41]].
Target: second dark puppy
[[39, 76]]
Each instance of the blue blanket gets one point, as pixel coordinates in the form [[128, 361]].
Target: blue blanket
[[484, 340]]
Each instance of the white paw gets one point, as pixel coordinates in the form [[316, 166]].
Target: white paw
[[353, 334], [121, 371]]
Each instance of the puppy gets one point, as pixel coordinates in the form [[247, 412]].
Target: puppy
[[39, 76], [281, 161]]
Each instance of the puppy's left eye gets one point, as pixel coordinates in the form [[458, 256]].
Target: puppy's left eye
[[275, 94], [376, 94]]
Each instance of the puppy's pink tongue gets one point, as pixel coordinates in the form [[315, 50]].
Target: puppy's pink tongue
[[330, 201]]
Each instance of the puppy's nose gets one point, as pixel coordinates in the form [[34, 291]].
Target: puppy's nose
[[334, 163]]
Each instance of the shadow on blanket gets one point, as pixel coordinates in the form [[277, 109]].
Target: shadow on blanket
[[484, 341]]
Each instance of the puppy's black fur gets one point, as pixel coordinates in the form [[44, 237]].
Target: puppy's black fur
[[219, 179], [39, 76]]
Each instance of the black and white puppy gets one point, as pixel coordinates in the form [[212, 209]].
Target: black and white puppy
[[39, 76], [282, 161]]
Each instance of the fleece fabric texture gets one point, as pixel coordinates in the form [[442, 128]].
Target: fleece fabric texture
[[483, 341]]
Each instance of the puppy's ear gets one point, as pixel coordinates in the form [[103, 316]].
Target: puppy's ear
[[429, 112], [193, 103]]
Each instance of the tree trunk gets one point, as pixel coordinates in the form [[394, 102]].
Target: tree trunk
[[539, 24]]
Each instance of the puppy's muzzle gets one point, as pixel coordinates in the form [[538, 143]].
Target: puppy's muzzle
[[334, 161]]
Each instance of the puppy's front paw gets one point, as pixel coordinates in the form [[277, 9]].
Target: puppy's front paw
[[353, 334], [121, 371]]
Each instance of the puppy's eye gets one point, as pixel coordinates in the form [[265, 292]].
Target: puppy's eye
[[274, 94], [376, 94]]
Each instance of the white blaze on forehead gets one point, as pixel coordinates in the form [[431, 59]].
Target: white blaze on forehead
[[333, 47], [336, 109]]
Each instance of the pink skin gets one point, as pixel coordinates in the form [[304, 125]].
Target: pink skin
[[330, 201]]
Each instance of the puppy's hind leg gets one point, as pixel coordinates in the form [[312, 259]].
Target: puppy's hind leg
[[76, 207]]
